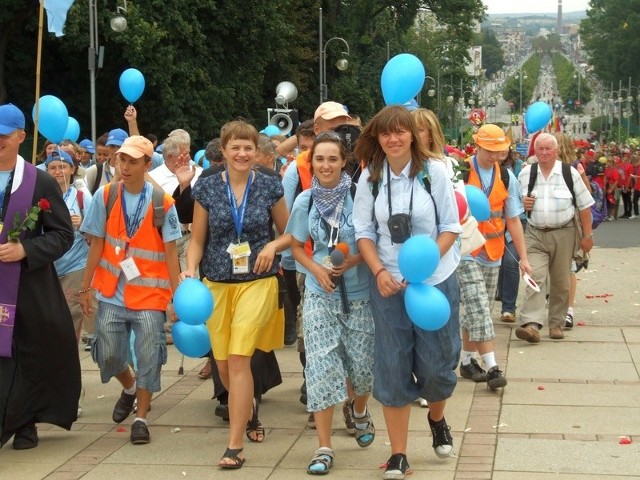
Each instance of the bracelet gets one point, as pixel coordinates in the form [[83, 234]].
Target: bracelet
[[590, 235], [382, 269], [83, 290]]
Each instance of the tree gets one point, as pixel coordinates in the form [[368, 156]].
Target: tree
[[610, 36]]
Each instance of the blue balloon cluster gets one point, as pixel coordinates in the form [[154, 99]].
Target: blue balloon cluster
[[73, 130], [537, 116], [131, 84], [54, 118], [426, 306], [191, 340], [193, 303], [402, 79], [478, 203]]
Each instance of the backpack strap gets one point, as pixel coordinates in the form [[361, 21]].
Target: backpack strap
[[566, 175], [157, 201], [96, 183], [568, 179], [533, 174], [425, 180]]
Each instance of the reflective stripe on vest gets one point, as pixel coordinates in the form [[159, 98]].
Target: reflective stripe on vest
[[494, 228], [152, 289]]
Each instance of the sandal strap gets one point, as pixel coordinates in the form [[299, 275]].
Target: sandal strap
[[232, 453], [324, 456]]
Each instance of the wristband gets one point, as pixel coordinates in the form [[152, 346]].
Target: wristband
[[588, 236], [382, 269], [83, 290]]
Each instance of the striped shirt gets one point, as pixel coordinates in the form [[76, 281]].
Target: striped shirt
[[553, 207]]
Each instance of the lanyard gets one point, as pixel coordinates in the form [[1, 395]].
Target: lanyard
[[486, 190], [237, 214], [389, 192], [132, 223], [4, 194]]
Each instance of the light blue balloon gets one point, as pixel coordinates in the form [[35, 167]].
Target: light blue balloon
[[537, 116], [402, 79], [478, 203], [411, 105], [54, 118], [205, 163], [427, 307], [193, 302], [191, 340], [198, 156], [73, 130], [131, 84], [418, 258], [271, 130]]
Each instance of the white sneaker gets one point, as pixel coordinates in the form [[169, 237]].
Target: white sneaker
[[632, 217]]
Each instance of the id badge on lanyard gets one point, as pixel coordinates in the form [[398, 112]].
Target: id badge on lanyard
[[239, 251]]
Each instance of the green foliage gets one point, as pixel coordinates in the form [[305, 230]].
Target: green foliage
[[567, 81], [610, 36], [208, 61], [530, 75]]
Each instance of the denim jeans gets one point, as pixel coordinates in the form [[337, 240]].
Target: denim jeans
[[509, 279]]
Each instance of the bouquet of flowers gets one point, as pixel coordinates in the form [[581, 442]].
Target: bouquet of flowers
[[29, 221]]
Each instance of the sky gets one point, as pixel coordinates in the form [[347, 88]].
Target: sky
[[538, 6]]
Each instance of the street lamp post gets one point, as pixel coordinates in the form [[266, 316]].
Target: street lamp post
[[341, 64], [521, 78], [461, 102]]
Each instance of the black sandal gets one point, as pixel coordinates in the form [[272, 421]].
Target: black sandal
[[255, 427], [232, 454]]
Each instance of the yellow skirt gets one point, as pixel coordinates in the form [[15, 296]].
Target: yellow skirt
[[245, 317]]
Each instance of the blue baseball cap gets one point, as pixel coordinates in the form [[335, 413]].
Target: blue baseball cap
[[87, 145], [59, 156], [116, 137], [160, 148], [11, 118]]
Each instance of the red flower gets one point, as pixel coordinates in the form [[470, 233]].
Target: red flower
[[43, 203], [29, 220]]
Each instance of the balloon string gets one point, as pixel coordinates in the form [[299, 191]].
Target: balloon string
[[502, 239]]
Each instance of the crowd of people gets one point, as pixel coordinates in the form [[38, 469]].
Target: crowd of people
[[308, 227]]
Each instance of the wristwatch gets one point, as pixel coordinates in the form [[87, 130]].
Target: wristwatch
[[588, 236]]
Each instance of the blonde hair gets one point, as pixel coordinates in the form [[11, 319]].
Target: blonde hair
[[428, 120], [566, 150]]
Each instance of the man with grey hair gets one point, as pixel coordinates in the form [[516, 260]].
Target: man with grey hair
[[551, 191], [176, 153]]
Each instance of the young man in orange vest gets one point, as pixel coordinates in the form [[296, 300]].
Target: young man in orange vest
[[133, 266], [478, 272]]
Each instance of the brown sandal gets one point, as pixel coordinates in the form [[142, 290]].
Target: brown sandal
[[205, 373]]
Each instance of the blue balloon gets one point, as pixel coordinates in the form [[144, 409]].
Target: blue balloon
[[198, 156], [402, 79], [131, 84], [411, 105], [271, 130], [478, 203], [193, 302], [427, 307], [418, 258], [54, 118], [73, 130], [537, 116], [191, 340]]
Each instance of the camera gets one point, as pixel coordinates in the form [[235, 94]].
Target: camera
[[399, 227]]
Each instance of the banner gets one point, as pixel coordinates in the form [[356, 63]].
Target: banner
[[57, 15]]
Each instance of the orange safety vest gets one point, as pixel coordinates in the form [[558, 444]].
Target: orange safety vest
[[152, 289], [303, 164], [494, 228]]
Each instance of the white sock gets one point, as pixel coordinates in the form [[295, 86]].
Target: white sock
[[144, 420], [132, 390], [489, 360], [359, 414], [467, 357], [570, 311]]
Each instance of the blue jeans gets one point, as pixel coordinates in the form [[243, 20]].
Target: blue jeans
[[509, 279], [402, 349]]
